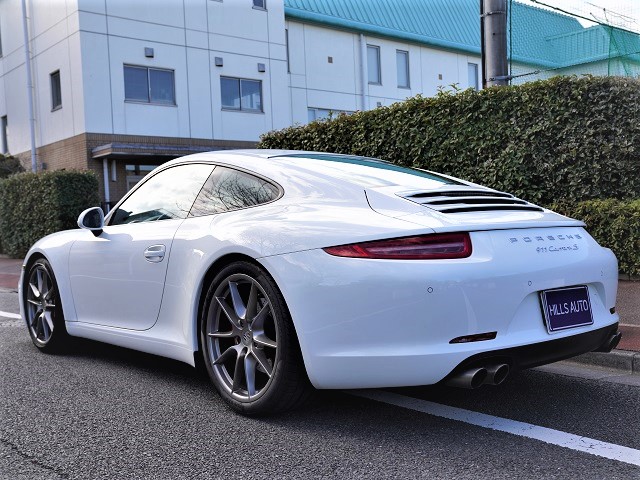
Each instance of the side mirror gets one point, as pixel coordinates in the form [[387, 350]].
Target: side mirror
[[92, 219]]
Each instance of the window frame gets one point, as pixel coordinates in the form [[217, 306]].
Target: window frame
[[258, 7], [56, 90], [241, 109], [146, 178], [476, 84], [173, 103], [407, 68], [379, 69]]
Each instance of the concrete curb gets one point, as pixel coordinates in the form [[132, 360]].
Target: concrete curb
[[622, 360]]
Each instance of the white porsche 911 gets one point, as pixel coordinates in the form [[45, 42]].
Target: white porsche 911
[[286, 269]]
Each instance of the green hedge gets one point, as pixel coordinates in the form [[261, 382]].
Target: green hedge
[[9, 166], [34, 205], [614, 224], [566, 138]]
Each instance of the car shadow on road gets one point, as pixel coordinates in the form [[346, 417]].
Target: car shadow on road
[[98, 351]]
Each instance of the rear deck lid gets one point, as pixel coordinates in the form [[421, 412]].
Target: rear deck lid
[[462, 208]]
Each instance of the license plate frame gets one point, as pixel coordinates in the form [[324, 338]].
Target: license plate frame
[[566, 307]]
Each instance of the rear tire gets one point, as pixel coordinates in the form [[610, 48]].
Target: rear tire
[[249, 343], [43, 308]]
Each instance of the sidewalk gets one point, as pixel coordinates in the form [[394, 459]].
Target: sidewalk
[[10, 269], [628, 303], [628, 306]]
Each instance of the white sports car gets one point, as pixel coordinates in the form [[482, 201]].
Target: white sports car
[[284, 269]]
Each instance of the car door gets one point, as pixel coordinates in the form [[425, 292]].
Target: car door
[[117, 278]]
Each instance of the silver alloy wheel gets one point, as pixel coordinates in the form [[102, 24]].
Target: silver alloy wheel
[[242, 335], [40, 304]]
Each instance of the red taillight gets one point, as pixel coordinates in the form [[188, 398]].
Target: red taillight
[[423, 247]]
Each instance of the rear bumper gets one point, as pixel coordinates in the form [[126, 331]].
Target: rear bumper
[[536, 354]]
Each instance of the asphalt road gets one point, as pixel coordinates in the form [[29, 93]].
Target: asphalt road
[[107, 412]]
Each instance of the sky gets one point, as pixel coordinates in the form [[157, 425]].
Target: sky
[[620, 13]]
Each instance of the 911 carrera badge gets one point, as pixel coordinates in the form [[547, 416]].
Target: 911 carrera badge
[[558, 248]]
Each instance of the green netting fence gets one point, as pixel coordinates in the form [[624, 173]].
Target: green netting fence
[[549, 38]]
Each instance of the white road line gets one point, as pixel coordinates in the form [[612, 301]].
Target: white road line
[[9, 315], [547, 435]]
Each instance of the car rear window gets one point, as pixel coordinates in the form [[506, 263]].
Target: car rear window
[[384, 173], [228, 189]]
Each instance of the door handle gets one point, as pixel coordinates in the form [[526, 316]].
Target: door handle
[[154, 253]]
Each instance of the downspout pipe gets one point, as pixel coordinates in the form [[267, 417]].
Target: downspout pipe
[[105, 177], [363, 72], [27, 64]]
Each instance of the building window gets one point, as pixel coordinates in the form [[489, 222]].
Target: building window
[[321, 113], [241, 94], [4, 124], [260, 4], [472, 69], [402, 64], [135, 173], [149, 85], [56, 93], [373, 64], [286, 41]]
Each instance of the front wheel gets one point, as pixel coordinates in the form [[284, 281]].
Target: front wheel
[[249, 343], [43, 308]]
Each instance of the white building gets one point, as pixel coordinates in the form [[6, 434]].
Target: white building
[[120, 86], [341, 63]]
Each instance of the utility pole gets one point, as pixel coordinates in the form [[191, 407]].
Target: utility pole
[[493, 42]]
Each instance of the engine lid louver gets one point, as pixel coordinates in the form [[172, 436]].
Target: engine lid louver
[[471, 200]]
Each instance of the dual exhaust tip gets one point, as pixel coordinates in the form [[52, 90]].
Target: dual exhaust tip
[[475, 377], [498, 373]]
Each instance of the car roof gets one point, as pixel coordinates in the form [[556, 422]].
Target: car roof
[[289, 167]]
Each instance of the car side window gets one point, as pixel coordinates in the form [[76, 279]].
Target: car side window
[[228, 189], [168, 194]]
